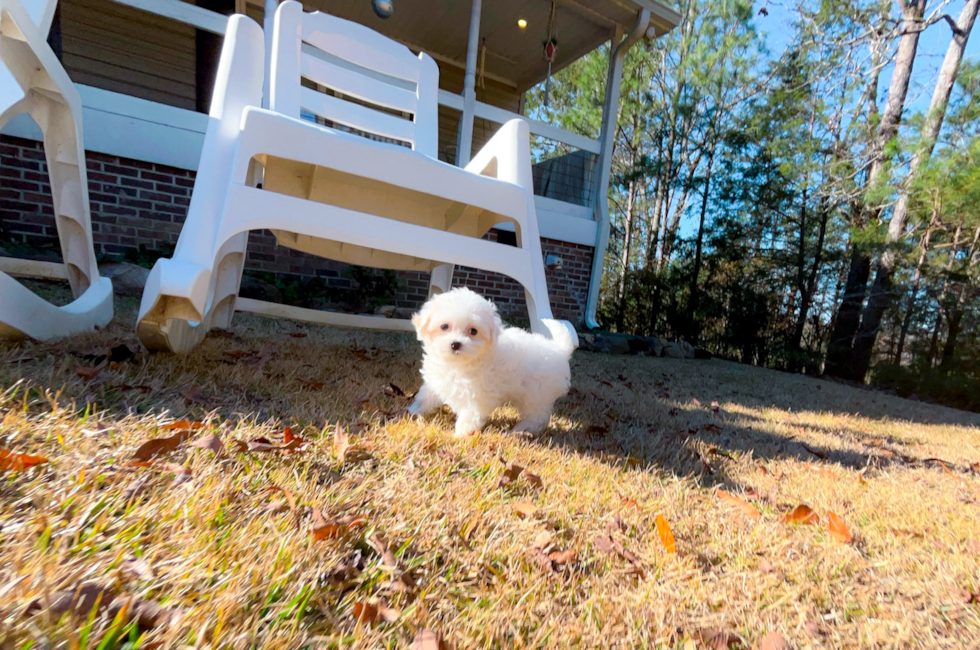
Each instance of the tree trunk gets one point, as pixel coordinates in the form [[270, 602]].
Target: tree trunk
[[841, 357], [628, 219], [694, 331], [916, 281], [881, 293]]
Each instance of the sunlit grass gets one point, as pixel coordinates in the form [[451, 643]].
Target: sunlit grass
[[630, 441]]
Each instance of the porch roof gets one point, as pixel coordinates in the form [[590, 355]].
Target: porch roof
[[513, 55]]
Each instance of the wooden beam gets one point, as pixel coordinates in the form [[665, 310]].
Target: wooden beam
[[591, 14]]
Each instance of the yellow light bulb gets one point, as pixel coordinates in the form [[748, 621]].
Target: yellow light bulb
[[522, 23]]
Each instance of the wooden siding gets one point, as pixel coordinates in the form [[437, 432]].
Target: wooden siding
[[125, 50]]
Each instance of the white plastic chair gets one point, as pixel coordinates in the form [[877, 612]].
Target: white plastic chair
[[333, 193], [33, 81]]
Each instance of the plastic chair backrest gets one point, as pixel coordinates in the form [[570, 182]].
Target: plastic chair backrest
[[374, 85]]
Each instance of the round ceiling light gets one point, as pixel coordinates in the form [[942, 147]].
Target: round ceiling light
[[521, 23], [383, 8]]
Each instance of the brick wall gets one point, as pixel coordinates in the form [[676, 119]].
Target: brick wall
[[136, 203]]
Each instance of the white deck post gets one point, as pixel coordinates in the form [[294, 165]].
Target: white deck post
[[267, 21], [465, 147], [607, 140]]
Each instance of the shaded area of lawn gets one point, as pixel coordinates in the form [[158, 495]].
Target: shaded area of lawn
[[636, 438]]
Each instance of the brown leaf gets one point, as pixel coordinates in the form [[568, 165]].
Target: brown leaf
[[288, 436], [194, 395], [135, 489], [766, 566], [542, 560], [802, 514], [838, 528], [238, 446], [524, 509], [181, 473], [159, 446], [374, 612], [605, 544], [542, 540], [746, 507], [209, 441], [341, 443], [773, 641], [88, 373], [561, 558], [14, 462], [628, 502], [616, 524], [428, 640], [719, 640], [181, 425], [80, 600], [333, 529], [388, 559], [139, 568], [814, 628], [511, 472], [666, 536], [148, 614], [290, 499], [534, 480]]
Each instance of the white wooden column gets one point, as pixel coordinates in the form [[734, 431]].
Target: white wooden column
[[267, 21], [607, 141], [465, 141]]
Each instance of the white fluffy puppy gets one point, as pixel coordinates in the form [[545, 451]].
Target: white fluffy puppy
[[473, 364]]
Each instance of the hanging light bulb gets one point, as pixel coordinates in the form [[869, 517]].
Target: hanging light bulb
[[521, 23], [383, 8]]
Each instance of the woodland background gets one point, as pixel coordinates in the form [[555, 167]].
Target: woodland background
[[810, 205]]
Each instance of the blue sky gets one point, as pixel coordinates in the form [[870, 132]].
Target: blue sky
[[777, 30]]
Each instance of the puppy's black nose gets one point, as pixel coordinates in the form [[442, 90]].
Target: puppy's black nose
[[455, 346]]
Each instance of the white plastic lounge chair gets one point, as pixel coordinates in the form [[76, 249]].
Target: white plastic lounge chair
[[33, 81], [331, 192]]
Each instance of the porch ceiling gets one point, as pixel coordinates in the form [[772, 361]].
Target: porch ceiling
[[513, 56]]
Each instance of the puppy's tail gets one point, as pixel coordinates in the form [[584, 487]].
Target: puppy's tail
[[563, 334]]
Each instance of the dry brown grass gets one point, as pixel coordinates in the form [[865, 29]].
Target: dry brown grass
[[620, 445]]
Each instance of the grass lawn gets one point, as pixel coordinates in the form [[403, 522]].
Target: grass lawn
[[410, 529]]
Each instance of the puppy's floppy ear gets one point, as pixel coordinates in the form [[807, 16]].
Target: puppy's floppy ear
[[421, 321]]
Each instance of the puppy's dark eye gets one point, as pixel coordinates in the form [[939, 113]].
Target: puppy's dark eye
[[444, 327], [472, 331]]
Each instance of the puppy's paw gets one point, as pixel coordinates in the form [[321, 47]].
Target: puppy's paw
[[416, 408], [467, 425]]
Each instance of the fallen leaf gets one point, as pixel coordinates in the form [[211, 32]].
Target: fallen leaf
[[821, 471], [534, 480], [802, 514], [428, 640], [542, 540], [181, 425], [239, 446], [210, 441], [12, 461], [542, 560], [81, 600], [298, 335], [616, 524], [158, 446], [139, 568], [561, 558], [525, 509], [290, 499], [746, 507], [181, 473], [766, 566], [88, 373], [666, 536], [341, 443], [604, 544], [773, 641], [838, 528], [511, 472], [147, 614], [135, 489], [324, 529], [194, 394], [719, 640], [813, 627], [629, 503], [388, 559], [373, 612]]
